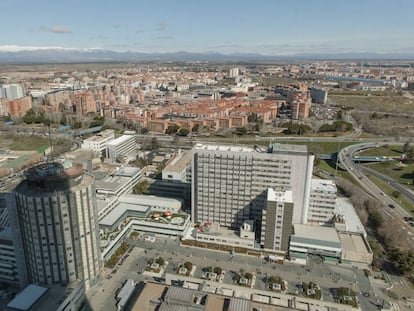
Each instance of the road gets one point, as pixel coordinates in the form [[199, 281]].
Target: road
[[359, 174]]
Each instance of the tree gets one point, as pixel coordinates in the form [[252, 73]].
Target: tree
[[172, 129], [183, 132], [141, 187], [396, 194], [195, 128], [63, 120], [406, 147], [240, 131], [154, 143], [144, 130]]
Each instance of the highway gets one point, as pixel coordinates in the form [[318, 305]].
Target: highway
[[359, 173]]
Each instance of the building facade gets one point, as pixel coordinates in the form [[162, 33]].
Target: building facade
[[277, 221], [322, 203], [120, 147], [98, 143], [59, 225], [230, 183]]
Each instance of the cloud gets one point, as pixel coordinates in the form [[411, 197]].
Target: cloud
[[55, 29], [161, 26]]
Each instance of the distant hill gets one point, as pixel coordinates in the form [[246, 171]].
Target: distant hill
[[61, 55]]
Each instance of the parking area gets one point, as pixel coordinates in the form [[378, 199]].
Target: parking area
[[326, 276]]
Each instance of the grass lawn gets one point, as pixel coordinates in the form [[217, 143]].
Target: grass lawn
[[384, 103], [313, 146], [402, 174], [390, 151], [330, 167], [28, 142]]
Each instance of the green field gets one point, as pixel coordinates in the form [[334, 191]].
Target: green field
[[390, 168], [390, 151]]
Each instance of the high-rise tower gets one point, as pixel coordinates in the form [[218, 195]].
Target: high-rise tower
[[59, 225]]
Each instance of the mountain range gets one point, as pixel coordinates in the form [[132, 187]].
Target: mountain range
[[63, 55]]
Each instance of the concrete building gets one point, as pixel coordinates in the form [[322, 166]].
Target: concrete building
[[277, 220], [121, 181], [234, 72], [11, 91], [16, 107], [12, 261], [319, 96], [322, 203], [213, 233], [230, 183], [58, 221], [120, 147], [317, 241], [99, 142], [179, 169]]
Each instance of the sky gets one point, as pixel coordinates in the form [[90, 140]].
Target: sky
[[268, 27]]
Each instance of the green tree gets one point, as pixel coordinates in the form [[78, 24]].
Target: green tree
[[406, 147], [183, 132], [63, 120], [240, 131], [29, 117], [172, 129], [144, 130], [141, 187], [154, 143]]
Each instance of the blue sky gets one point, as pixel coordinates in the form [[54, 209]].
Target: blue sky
[[268, 27]]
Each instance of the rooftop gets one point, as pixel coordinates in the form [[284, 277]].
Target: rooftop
[[279, 196], [353, 243], [324, 185], [27, 298], [328, 234], [179, 163], [121, 140]]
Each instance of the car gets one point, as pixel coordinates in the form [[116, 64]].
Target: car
[[391, 206], [411, 218], [407, 218], [412, 224]]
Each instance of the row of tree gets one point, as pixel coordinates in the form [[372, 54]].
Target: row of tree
[[387, 232]]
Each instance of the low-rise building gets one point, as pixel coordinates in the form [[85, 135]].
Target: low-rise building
[[120, 147], [318, 241], [99, 142]]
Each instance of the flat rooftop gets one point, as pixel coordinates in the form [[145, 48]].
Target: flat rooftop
[[325, 185], [179, 163], [352, 221], [121, 140], [27, 298], [279, 196], [353, 243], [328, 234]]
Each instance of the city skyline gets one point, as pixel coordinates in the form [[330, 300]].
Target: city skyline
[[272, 28]]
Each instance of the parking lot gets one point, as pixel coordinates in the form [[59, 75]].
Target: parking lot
[[327, 276]]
